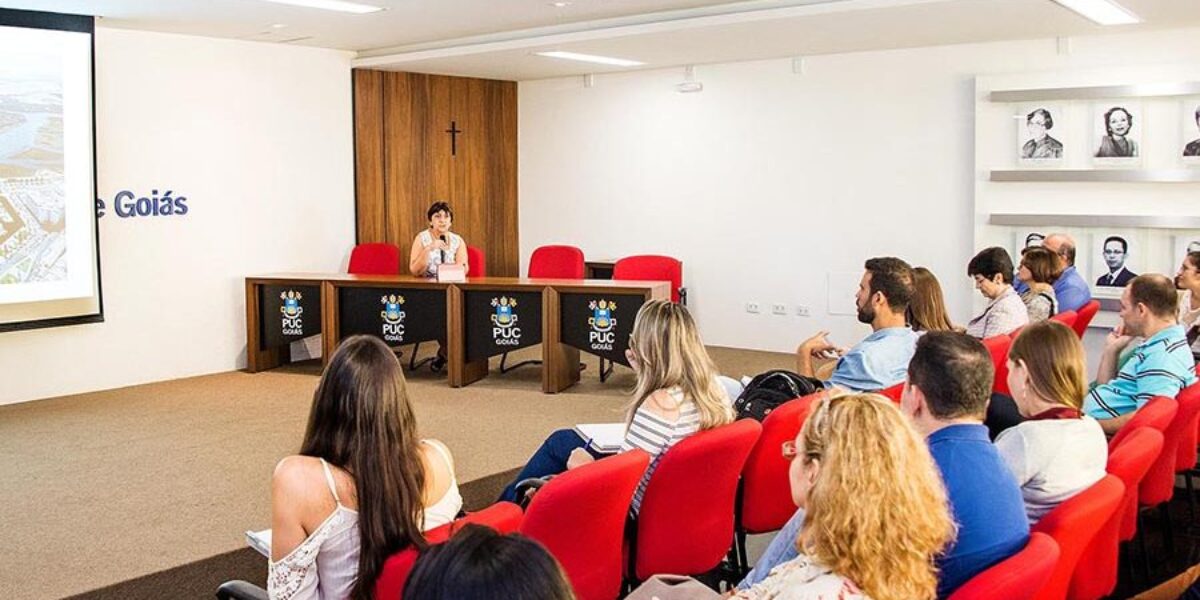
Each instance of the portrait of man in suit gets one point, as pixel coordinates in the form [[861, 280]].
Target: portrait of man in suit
[[1116, 252], [1192, 149]]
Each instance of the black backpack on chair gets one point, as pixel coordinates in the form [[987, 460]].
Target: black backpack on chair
[[768, 390]]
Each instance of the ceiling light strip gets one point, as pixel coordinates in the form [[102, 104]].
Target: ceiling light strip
[[591, 58], [1104, 12], [337, 5]]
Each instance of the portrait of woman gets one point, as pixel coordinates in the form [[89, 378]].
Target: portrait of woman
[[1040, 145], [1119, 139], [1191, 151]]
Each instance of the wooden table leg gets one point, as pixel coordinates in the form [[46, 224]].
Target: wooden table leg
[[331, 334], [258, 359], [462, 372], [560, 362]]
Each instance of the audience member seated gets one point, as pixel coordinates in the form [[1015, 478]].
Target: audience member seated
[[1039, 270], [1071, 291], [1057, 451], [879, 360], [1188, 282], [946, 396], [477, 562], [927, 309], [676, 395], [363, 486], [992, 270], [1161, 365]]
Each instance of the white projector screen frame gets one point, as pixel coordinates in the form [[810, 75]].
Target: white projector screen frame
[[66, 291]]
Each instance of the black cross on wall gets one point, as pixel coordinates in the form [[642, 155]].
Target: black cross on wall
[[453, 131]]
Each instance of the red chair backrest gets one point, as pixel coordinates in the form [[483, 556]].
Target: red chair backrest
[[1018, 577], [651, 268], [1157, 414], [998, 347], [504, 517], [1159, 483], [1186, 452], [1084, 317], [1073, 524], [476, 262], [579, 516], [685, 525], [556, 262], [1129, 463], [893, 393], [1067, 317], [766, 491], [374, 259]]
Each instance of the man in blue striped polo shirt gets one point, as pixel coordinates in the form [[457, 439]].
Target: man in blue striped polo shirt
[[1160, 366]]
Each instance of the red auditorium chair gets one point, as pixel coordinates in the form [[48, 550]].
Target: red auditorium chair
[[374, 259], [1129, 462], [765, 494], [893, 393], [550, 262], [1157, 414], [1185, 454], [503, 517], [653, 268], [477, 262], [1159, 484], [579, 516], [1018, 577], [556, 262], [1073, 524], [685, 525], [1084, 318], [1067, 317], [998, 347]]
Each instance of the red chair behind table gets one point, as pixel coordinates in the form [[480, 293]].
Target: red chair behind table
[[1073, 525], [502, 517], [1128, 462], [765, 493], [556, 262], [685, 525], [1018, 577], [1084, 318], [374, 259], [653, 268], [998, 347], [579, 516], [1067, 317], [476, 262]]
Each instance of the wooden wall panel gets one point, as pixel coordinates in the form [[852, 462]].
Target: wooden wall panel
[[370, 216], [479, 179]]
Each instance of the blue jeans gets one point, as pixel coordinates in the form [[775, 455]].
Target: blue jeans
[[781, 550], [550, 459]]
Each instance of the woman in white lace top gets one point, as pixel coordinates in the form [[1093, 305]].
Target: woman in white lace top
[[876, 509], [363, 486]]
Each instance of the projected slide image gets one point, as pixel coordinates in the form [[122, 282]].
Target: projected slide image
[[33, 242]]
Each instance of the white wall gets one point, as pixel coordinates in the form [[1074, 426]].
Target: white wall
[[768, 181], [259, 138]]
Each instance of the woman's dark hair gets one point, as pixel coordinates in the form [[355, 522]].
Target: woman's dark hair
[[1042, 264], [362, 422], [991, 261], [479, 563], [436, 208]]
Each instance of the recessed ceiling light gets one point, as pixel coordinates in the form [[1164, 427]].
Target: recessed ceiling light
[[1104, 12], [278, 26], [603, 60], [338, 5], [560, 4]]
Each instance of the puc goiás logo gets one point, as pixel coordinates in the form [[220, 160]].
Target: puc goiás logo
[[504, 321], [393, 317], [293, 324], [602, 322]]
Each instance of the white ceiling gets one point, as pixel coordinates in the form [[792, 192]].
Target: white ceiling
[[496, 38]]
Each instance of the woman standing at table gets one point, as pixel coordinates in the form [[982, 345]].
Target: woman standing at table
[[437, 245]]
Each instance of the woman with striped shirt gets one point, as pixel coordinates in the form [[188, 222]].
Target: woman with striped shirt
[[677, 394]]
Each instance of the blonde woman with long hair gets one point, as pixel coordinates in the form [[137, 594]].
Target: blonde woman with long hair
[[1057, 451], [676, 395], [876, 510]]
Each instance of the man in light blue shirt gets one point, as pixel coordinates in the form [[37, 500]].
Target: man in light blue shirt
[[881, 359], [1160, 366], [1070, 290]]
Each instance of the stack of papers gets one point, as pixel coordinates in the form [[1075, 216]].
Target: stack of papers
[[604, 438]]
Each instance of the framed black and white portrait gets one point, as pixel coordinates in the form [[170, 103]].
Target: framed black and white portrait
[[1040, 132], [1190, 120], [1025, 238], [1117, 133], [1116, 259], [1184, 244]]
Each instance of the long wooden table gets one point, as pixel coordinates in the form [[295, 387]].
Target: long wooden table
[[478, 319]]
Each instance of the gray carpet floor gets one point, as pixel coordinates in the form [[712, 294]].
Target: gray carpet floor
[[146, 491]]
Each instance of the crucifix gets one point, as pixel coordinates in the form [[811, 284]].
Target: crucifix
[[453, 131]]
